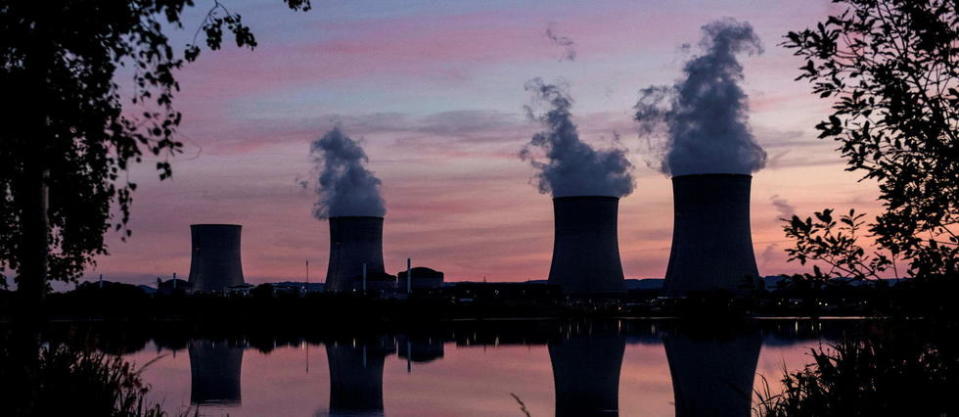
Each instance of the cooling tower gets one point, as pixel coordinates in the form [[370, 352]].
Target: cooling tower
[[712, 244], [586, 246], [354, 241], [216, 263], [356, 378], [586, 373], [713, 376], [215, 373]]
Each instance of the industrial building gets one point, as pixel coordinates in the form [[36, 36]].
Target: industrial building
[[216, 263], [713, 375], [215, 372], [586, 246], [356, 250], [586, 365], [356, 376], [712, 245], [423, 278]]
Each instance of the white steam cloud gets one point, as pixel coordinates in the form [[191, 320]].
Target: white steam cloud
[[345, 186], [571, 167], [700, 124]]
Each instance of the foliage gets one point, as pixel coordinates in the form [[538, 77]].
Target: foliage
[[77, 382], [891, 68], [900, 370], [68, 131], [833, 242]]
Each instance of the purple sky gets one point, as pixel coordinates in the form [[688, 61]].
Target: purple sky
[[434, 90]]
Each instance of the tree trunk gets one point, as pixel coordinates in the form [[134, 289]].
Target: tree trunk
[[34, 251]]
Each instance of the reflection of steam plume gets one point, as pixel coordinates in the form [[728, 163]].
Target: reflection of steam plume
[[713, 376], [346, 187], [586, 369], [215, 372], [704, 115], [572, 168], [356, 378]]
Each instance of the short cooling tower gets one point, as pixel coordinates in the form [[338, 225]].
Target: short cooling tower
[[586, 366], [712, 243], [356, 378], [713, 375], [216, 262], [215, 373], [354, 241], [586, 246]]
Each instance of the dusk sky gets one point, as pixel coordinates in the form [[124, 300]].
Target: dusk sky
[[434, 92]]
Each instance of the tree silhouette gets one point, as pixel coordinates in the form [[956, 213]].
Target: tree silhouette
[[891, 68], [69, 134]]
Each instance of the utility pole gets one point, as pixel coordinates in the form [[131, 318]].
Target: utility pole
[[364, 278], [409, 276]]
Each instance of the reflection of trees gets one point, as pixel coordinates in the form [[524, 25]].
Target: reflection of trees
[[57, 380], [903, 369]]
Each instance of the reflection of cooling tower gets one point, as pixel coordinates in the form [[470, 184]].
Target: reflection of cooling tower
[[586, 374], [354, 240], [356, 379], [713, 377], [712, 244], [586, 246], [216, 262], [215, 372]]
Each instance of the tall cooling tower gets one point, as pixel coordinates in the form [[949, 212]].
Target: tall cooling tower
[[712, 243], [216, 263], [215, 373], [713, 376], [356, 378], [586, 373], [354, 241], [586, 246]]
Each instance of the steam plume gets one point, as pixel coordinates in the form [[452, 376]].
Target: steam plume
[[345, 187], [703, 116], [572, 168], [782, 206], [565, 42]]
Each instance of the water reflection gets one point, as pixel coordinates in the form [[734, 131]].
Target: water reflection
[[712, 372], [215, 373], [586, 362], [598, 369], [356, 376]]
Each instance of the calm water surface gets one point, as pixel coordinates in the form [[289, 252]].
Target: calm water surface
[[610, 368]]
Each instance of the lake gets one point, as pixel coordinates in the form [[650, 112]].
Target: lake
[[499, 368]]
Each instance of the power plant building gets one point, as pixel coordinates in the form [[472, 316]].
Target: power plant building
[[423, 278], [356, 242], [215, 369], [586, 246], [216, 262], [712, 245]]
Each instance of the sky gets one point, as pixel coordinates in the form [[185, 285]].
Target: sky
[[434, 92]]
